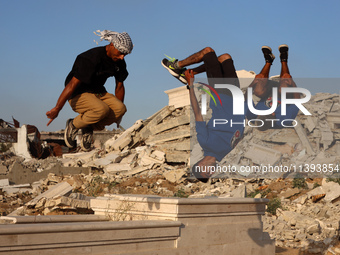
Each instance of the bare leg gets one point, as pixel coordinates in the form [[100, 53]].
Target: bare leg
[[194, 58], [260, 84], [285, 77]]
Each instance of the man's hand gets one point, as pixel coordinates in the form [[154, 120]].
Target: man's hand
[[189, 76], [52, 114]]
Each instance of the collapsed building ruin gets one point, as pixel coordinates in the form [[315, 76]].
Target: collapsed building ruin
[[158, 149]]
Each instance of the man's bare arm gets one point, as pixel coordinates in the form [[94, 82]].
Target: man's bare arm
[[64, 96]]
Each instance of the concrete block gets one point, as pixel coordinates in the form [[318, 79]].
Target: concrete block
[[174, 176], [217, 222], [117, 167], [3, 169], [113, 157], [263, 155], [177, 157], [54, 218], [90, 238], [333, 194], [159, 155], [178, 97], [100, 162], [4, 182]]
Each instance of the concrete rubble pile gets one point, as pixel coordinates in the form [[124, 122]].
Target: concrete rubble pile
[[310, 221], [153, 157], [311, 148]]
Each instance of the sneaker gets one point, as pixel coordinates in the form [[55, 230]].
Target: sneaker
[[70, 134], [268, 55], [176, 72], [86, 138], [283, 48]]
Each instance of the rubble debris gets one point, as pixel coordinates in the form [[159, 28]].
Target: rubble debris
[[153, 157], [304, 139]]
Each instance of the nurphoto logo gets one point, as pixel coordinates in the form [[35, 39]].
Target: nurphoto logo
[[239, 105]]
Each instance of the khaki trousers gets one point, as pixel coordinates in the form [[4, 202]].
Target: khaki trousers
[[97, 110]]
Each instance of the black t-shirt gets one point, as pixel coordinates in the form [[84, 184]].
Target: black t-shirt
[[92, 68]]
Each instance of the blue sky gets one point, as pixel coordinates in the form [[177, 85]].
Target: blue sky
[[40, 40]]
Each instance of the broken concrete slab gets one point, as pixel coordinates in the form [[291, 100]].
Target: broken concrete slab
[[117, 167], [136, 170], [53, 218], [289, 193], [17, 188], [310, 123], [156, 119], [62, 201], [331, 189], [169, 124], [326, 136], [128, 159], [149, 161], [113, 157], [263, 155], [86, 156], [239, 192], [20, 175], [60, 189], [174, 146], [323, 96], [180, 132], [120, 143], [177, 157], [286, 135], [303, 138]]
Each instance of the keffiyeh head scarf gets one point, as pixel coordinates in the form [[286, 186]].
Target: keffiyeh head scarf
[[121, 41]]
